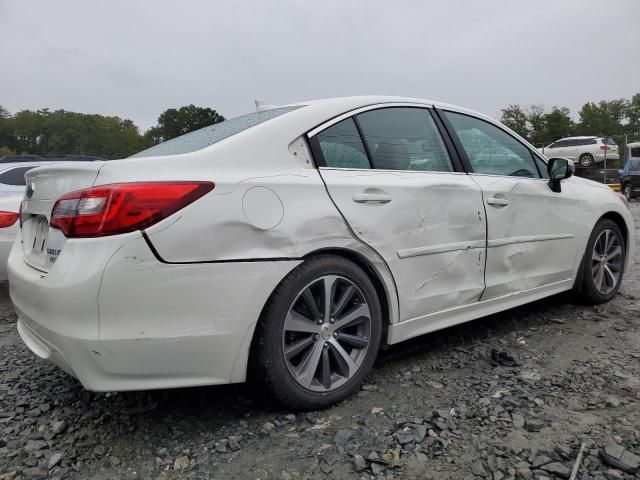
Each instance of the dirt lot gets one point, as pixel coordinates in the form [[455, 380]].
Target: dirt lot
[[435, 408]]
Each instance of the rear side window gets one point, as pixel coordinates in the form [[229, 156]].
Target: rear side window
[[587, 141], [209, 135], [342, 147], [491, 150], [15, 176], [402, 138]]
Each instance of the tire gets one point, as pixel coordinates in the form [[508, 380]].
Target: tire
[[627, 191], [586, 160], [591, 286], [303, 363]]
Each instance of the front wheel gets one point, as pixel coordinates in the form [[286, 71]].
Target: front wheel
[[320, 333], [603, 263], [627, 191]]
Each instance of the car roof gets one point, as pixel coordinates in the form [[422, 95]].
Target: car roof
[[358, 101], [585, 137]]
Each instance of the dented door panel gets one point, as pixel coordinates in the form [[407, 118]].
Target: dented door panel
[[533, 233], [429, 227]]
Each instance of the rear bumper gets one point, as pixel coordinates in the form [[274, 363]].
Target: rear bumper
[[112, 315], [599, 157]]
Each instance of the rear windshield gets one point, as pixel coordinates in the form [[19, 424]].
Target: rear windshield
[[206, 136], [608, 141]]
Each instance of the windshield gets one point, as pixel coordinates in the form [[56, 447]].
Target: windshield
[[207, 136]]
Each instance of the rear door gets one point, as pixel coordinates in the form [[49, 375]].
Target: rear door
[[396, 182], [533, 232]]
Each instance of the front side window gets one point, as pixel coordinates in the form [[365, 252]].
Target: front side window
[[342, 146], [490, 150], [15, 176], [542, 166], [404, 138]]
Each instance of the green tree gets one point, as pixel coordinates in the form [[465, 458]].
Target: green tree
[[558, 123], [5, 137], [603, 118], [633, 115], [515, 118], [175, 122], [537, 125]]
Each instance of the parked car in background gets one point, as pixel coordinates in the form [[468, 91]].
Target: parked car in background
[[291, 243], [9, 212], [630, 178], [633, 150], [585, 151], [12, 187]]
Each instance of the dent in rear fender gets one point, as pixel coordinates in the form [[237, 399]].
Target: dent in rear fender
[[269, 216], [180, 323]]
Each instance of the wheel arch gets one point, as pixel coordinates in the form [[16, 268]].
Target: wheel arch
[[616, 218], [388, 304], [374, 275]]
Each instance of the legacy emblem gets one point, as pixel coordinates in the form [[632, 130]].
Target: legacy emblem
[[30, 189]]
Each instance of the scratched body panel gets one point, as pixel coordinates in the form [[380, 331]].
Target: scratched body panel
[[534, 239], [431, 234]]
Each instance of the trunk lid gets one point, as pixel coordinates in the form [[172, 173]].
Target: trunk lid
[[41, 244]]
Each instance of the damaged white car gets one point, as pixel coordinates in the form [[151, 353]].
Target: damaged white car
[[293, 242]]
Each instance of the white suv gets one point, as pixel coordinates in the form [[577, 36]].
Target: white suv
[[584, 150]]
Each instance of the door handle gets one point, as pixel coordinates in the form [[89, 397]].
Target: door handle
[[372, 198], [500, 202]]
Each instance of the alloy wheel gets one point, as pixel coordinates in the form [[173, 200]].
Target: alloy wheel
[[627, 192], [606, 261], [326, 333], [586, 160]]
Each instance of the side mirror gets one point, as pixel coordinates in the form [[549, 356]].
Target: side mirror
[[559, 169]]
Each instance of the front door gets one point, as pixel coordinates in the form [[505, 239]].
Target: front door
[[390, 174], [532, 235]]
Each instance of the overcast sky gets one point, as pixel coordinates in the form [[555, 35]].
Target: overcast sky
[[135, 58]]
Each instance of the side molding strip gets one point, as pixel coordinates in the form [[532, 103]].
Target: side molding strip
[[499, 242]]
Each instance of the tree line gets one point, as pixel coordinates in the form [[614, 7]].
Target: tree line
[[60, 132], [541, 126]]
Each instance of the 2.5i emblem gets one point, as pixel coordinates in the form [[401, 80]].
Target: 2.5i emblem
[[30, 189]]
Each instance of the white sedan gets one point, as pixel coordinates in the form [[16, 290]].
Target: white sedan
[[293, 242]]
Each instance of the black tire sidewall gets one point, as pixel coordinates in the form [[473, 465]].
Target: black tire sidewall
[[270, 356], [589, 290]]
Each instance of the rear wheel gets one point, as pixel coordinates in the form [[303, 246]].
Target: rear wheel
[[320, 334], [603, 263], [586, 160]]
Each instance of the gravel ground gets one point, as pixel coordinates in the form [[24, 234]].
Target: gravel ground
[[436, 407]]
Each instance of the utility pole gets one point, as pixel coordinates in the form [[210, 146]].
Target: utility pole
[[606, 147]]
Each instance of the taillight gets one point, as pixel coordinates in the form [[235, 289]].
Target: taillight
[[605, 147], [8, 218], [122, 207]]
